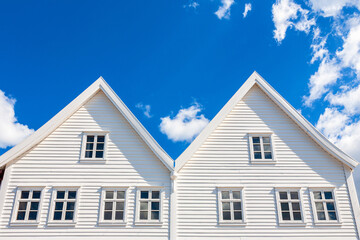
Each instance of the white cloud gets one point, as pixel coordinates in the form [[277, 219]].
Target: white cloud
[[331, 8], [11, 132], [185, 126], [285, 12], [318, 46], [192, 4], [349, 100], [247, 9], [224, 9], [145, 108]]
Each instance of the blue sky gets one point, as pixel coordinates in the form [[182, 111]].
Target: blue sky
[[179, 62]]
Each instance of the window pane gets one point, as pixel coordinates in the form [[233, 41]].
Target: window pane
[[155, 215], [317, 195], [321, 215], [72, 194], [237, 215], [330, 206], [319, 206], [226, 215], [70, 206], [144, 194], [225, 195], [297, 216], [257, 155], [119, 215], [266, 139], [267, 148], [155, 194], [36, 194], [22, 205], [144, 215], [332, 216], [107, 215], [119, 206], [89, 146], [237, 206], [328, 195], [57, 215], [99, 154], [256, 140], [155, 206], [108, 205], [59, 205], [284, 206], [25, 194], [34, 206], [100, 146], [236, 195], [294, 195], [257, 148], [32, 215], [88, 154], [100, 138], [295, 206], [60, 195], [109, 195], [90, 138], [283, 195], [143, 206], [226, 206], [20, 215], [121, 195], [69, 215], [285, 215], [268, 155]]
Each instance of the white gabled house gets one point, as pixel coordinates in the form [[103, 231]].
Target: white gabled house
[[258, 170]]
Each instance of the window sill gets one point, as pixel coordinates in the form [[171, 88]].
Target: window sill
[[93, 161], [240, 223], [148, 223], [263, 161], [109, 224], [61, 224], [24, 224], [292, 224], [327, 224]]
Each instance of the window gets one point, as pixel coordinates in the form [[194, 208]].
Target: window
[[64, 205], [261, 148], [324, 206], [149, 205], [94, 146], [230, 205], [289, 206], [113, 206], [27, 206]]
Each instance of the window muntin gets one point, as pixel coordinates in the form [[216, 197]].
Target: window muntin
[[27, 206], [324, 206], [230, 205], [64, 205], [261, 147], [94, 145], [113, 205], [149, 205], [289, 206]]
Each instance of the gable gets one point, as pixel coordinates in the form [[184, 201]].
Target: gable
[[287, 109]]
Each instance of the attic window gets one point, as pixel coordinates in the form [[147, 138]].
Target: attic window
[[94, 146], [261, 148]]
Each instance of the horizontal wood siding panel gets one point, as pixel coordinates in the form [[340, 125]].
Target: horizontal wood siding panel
[[55, 162], [224, 160]]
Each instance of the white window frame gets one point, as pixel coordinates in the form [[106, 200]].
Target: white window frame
[[15, 209], [139, 221], [299, 190], [83, 146], [251, 147], [51, 221], [327, 221], [102, 206], [220, 201]]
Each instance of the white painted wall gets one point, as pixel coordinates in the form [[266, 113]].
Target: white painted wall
[[223, 160], [55, 162]]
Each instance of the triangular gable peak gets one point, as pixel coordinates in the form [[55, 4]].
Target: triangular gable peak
[[99, 85], [255, 78]]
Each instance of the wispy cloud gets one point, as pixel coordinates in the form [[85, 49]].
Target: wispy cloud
[[186, 125], [11, 132], [247, 9], [224, 9], [145, 108], [192, 4]]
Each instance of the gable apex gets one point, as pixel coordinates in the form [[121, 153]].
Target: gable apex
[[99, 85], [306, 126]]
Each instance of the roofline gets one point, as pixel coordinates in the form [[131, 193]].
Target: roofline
[[99, 85], [255, 78]]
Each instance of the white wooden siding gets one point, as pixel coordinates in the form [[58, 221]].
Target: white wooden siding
[[55, 162], [223, 160]]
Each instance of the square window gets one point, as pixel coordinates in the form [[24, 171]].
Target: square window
[[25, 194], [230, 205], [324, 205], [27, 205], [149, 205], [93, 146], [155, 194], [144, 194], [109, 194]]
